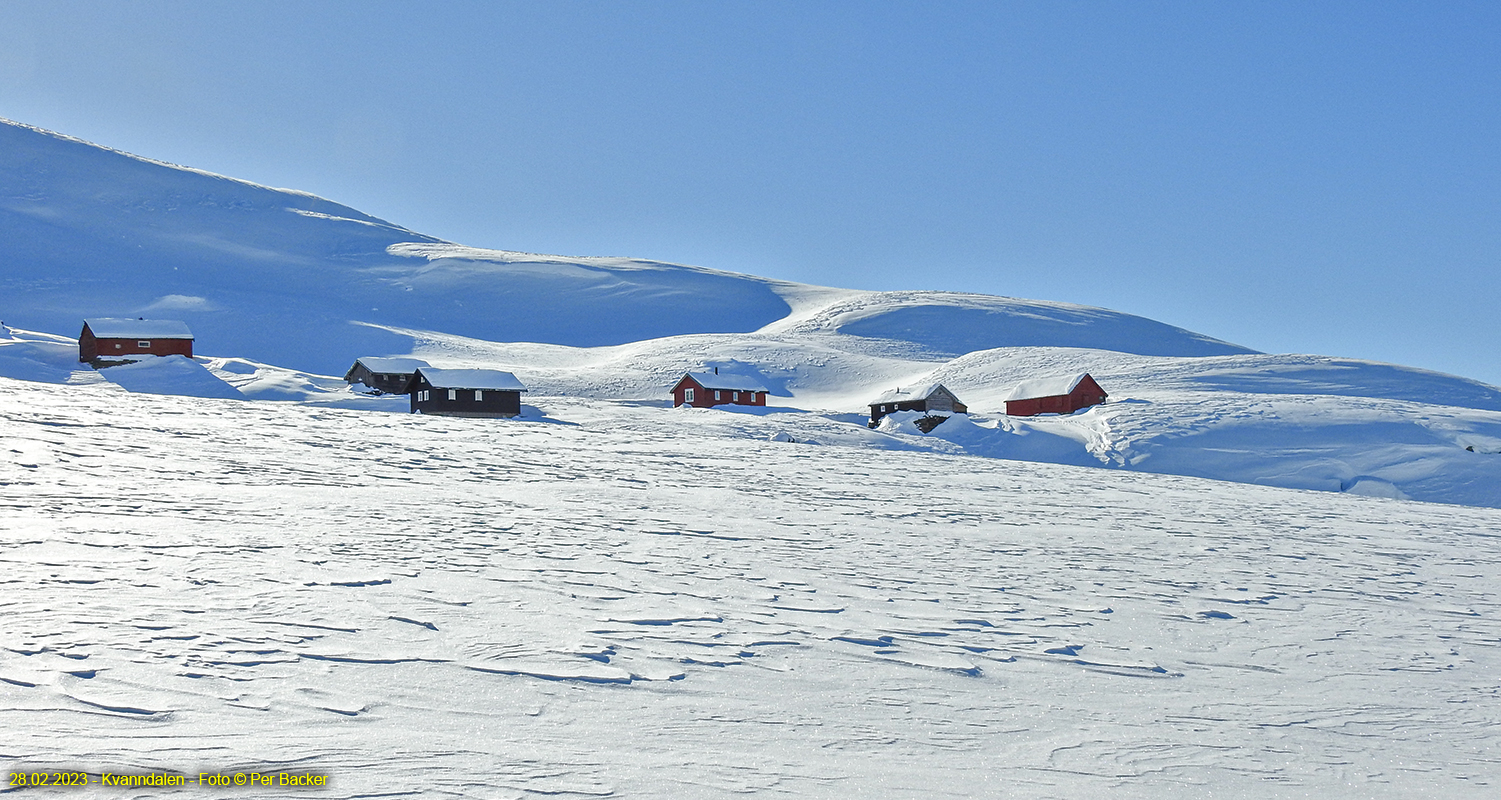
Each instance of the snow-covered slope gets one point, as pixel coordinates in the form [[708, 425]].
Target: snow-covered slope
[[635, 601], [279, 276]]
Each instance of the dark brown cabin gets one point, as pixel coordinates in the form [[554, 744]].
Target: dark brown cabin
[[465, 392], [384, 375]]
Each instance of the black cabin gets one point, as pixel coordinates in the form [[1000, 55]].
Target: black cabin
[[465, 392]]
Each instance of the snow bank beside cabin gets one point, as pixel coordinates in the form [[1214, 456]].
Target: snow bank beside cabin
[[177, 375]]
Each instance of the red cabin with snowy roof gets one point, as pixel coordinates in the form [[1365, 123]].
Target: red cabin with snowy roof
[[709, 389], [1062, 394], [107, 338]]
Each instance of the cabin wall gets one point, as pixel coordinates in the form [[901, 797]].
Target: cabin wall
[[493, 402], [88, 349], [876, 414], [111, 348], [1086, 394]]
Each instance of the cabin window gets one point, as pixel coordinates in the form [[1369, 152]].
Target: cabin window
[[479, 395], [687, 395], [716, 394], [735, 396], [453, 394], [143, 344]]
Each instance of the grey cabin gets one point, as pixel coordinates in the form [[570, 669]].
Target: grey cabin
[[932, 399]]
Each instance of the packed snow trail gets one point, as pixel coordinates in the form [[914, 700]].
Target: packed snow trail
[[620, 603]]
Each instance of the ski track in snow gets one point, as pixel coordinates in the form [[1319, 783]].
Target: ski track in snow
[[628, 606]]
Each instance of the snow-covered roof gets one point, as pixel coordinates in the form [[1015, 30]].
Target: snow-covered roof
[[910, 393], [398, 365], [725, 380], [1046, 387], [114, 328], [471, 379]]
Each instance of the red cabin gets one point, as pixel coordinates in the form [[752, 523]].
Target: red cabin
[[107, 338], [709, 389], [1063, 394]]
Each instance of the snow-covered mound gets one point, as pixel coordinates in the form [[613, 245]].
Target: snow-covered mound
[[650, 602], [178, 375], [278, 276], [952, 324]]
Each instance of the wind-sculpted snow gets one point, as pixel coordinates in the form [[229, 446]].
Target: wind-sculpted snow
[[647, 602], [951, 324]]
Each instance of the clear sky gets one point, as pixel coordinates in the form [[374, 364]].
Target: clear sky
[[1294, 177]]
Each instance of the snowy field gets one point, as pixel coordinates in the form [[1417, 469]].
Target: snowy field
[[235, 563], [621, 600]]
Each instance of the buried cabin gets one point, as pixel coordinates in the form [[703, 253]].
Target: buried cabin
[[932, 399]]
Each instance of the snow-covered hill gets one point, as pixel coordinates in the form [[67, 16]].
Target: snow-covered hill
[[633, 601], [285, 290], [281, 276]]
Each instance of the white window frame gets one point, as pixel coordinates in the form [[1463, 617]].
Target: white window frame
[[479, 395], [142, 343], [453, 394], [716, 394], [688, 395], [735, 397]]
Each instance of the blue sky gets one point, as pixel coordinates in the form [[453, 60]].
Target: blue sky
[[1295, 177]]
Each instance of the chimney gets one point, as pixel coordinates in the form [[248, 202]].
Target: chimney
[[716, 370]]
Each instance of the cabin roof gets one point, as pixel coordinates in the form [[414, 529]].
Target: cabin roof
[[392, 365], [1046, 387], [911, 393], [122, 328], [726, 381], [492, 379]]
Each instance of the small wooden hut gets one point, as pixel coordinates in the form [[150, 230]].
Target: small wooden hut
[[709, 389], [465, 392], [933, 399], [109, 338], [1061, 394], [384, 375]]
